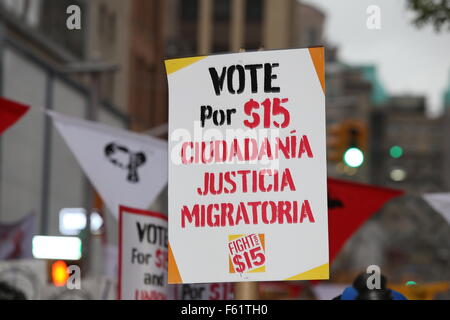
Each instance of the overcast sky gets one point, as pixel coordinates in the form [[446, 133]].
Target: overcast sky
[[409, 60]]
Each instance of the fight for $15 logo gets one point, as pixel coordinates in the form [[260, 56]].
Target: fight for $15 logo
[[247, 253]]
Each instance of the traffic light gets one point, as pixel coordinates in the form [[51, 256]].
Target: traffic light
[[396, 152], [347, 142], [353, 157], [59, 273], [335, 142]]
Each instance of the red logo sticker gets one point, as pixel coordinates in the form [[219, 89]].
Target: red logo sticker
[[247, 253]]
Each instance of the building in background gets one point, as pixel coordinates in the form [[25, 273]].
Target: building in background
[[408, 146], [38, 172], [409, 149], [349, 103], [406, 236], [403, 148], [134, 35], [447, 95], [446, 116], [44, 21], [309, 26], [219, 26]]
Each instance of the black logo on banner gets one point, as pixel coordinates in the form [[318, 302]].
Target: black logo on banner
[[122, 157], [334, 202]]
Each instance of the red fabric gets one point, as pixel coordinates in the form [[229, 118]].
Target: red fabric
[[10, 112], [349, 206]]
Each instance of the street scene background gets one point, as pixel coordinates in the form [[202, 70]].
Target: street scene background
[[387, 95]]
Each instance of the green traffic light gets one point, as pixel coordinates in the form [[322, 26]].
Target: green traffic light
[[353, 157], [396, 152]]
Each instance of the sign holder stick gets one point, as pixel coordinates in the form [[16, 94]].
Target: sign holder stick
[[246, 291]]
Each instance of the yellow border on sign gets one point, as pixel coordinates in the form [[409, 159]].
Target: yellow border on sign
[[318, 59], [174, 276], [319, 273], [173, 65]]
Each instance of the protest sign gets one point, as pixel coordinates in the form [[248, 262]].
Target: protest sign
[[142, 255], [206, 291], [10, 113], [247, 167]]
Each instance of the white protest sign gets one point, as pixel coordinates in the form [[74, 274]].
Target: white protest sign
[[247, 167], [143, 255], [206, 291], [125, 168]]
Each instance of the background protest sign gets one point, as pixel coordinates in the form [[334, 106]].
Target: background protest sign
[[143, 255], [247, 171], [10, 113], [205, 291], [124, 167]]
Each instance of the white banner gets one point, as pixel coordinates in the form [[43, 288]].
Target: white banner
[[439, 202], [124, 167], [143, 256], [247, 171]]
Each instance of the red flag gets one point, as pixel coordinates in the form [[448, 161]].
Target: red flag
[[10, 112], [349, 206]]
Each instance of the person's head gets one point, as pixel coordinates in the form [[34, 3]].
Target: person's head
[[360, 290], [360, 282], [8, 292], [365, 293]]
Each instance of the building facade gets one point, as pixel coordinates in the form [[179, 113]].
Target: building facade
[[38, 173], [220, 26]]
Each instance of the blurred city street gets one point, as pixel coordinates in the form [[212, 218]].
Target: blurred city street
[[80, 78]]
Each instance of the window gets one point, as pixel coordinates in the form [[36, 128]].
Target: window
[[254, 10], [253, 28], [189, 10], [312, 36], [221, 21], [106, 26], [222, 10]]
